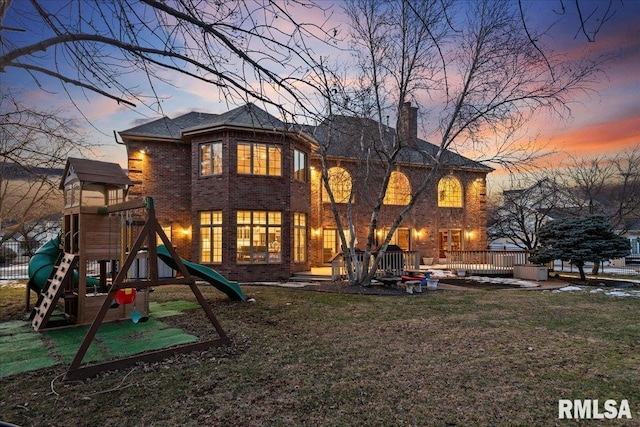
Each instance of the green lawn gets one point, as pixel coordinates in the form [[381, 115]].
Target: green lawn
[[484, 358]]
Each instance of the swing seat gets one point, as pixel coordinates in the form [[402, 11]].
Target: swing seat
[[137, 317]]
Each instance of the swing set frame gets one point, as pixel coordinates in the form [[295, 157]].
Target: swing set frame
[[147, 237]]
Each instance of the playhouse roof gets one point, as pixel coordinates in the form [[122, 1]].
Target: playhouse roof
[[95, 172]]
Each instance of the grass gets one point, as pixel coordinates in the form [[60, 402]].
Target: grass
[[308, 358]]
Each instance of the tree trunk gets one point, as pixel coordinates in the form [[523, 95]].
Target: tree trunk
[[596, 267], [580, 266]]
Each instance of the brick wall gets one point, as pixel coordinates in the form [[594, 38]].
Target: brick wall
[[163, 172], [425, 220], [230, 192], [169, 172]]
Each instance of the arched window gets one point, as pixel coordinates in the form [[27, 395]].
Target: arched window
[[340, 184], [449, 192], [399, 190]]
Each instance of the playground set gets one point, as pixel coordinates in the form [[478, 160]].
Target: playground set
[[122, 235]]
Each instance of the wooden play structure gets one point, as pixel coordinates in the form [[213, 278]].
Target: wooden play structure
[[101, 225]]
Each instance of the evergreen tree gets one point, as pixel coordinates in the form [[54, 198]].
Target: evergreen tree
[[579, 240]]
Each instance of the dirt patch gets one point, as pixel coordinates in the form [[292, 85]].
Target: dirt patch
[[345, 288]]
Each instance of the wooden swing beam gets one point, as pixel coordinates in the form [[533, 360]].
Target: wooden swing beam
[[148, 233]]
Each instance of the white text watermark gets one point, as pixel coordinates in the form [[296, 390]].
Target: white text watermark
[[593, 409]]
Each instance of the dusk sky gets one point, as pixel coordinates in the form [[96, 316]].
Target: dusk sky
[[605, 120]]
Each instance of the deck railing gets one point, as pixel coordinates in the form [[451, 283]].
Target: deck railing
[[486, 261], [393, 263]]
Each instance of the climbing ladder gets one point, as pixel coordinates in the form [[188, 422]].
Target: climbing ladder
[[53, 289]]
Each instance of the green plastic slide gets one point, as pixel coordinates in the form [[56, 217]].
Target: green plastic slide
[[232, 289], [44, 260]]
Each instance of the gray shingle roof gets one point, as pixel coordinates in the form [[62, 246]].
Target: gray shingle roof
[[170, 128], [247, 115], [346, 136]]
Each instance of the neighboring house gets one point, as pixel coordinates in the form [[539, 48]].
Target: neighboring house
[[242, 193], [515, 223], [38, 232], [630, 229]]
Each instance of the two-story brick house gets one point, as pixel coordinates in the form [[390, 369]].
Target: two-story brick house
[[241, 191]]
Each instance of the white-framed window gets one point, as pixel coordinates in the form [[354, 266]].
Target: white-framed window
[[167, 229]]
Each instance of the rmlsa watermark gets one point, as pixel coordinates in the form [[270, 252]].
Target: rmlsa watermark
[[593, 409]]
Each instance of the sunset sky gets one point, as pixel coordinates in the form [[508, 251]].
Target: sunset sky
[[605, 120]]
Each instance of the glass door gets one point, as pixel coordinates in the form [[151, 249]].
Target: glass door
[[331, 243], [450, 240]]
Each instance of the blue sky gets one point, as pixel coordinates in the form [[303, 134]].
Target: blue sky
[[604, 121]]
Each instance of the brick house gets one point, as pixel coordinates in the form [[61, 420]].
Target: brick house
[[241, 191]]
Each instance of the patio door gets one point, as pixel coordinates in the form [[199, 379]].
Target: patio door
[[401, 238], [449, 240], [331, 243]]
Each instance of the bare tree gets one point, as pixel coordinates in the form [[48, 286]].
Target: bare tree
[[244, 50], [519, 214], [484, 71], [608, 186], [254, 50], [591, 16], [622, 193], [588, 177], [605, 185], [485, 74], [34, 146]]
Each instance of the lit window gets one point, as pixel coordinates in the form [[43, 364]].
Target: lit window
[[259, 159], [300, 166], [166, 229], [211, 236], [259, 237], [400, 237], [449, 193], [299, 237], [210, 159], [398, 190], [340, 184]]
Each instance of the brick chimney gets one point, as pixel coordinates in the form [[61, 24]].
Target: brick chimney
[[408, 128]]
